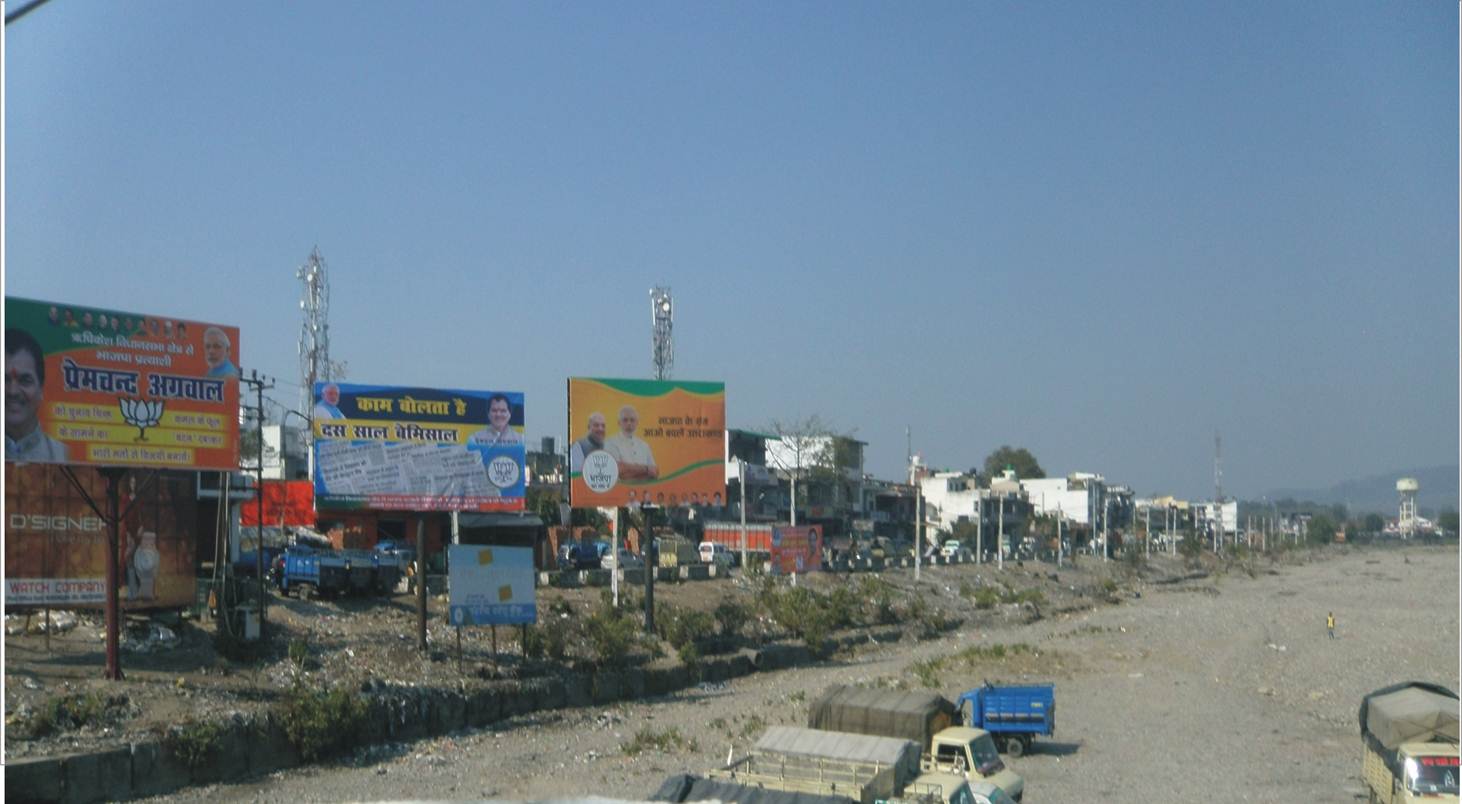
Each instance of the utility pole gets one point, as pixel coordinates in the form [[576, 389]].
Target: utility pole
[[259, 383], [979, 523], [918, 506], [1000, 535], [1218, 492], [1059, 544], [1147, 542]]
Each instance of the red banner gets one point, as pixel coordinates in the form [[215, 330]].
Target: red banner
[[292, 501]]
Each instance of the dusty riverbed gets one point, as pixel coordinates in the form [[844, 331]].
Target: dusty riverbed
[[1223, 688]]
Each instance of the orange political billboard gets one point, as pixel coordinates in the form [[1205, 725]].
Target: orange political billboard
[[638, 442], [91, 385], [795, 549], [56, 545]]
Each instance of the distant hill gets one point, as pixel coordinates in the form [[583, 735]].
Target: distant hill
[[1378, 493]]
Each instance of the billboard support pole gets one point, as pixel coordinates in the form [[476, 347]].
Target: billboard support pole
[[421, 584], [113, 517], [113, 608], [652, 563]]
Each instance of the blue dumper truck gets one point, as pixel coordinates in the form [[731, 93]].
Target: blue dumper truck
[[305, 571], [1013, 715]]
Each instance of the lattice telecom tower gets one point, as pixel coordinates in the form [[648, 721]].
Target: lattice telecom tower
[[1407, 487], [314, 346], [662, 318]]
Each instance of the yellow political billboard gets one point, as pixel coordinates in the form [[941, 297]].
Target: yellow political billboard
[[636, 442], [90, 385]]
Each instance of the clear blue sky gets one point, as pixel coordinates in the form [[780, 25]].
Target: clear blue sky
[[1102, 231]]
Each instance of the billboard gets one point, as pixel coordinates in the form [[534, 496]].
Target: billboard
[[89, 385], [288, 503], [490, 585], [56, 545], [796, 549], [418, 449], [636, 442]]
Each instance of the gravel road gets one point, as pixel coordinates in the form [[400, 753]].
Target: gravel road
[[1221, 689]]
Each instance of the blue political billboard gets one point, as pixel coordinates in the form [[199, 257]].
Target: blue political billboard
[[418, 449]]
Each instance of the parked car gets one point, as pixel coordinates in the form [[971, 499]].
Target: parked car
[[718, 554], [625, 560], [951, 548]]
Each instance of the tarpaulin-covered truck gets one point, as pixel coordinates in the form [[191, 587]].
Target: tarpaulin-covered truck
[[861, 767], [929, 719], [826, 766], [1409, 733]]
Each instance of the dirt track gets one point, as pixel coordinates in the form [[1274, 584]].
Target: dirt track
[[1220, 689]]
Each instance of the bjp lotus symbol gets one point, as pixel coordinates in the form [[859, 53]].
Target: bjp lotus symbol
[[141, 413]]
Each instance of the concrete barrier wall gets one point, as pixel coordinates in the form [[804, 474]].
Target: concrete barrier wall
[[259, 745]]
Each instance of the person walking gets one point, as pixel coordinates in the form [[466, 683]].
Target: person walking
[[1330, 624]]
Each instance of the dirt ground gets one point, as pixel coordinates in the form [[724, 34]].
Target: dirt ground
[[1220, 687]]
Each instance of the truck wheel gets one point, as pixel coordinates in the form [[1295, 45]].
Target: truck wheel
[[1014, 746], [304, 591]]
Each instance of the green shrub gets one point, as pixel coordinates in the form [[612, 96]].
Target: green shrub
[[730, 617], [1022, 596], [72, 711], [660, 741], [986, 597], [681, 627], [320, 723], [195, 742], [802, 612], [844, 606], [927, 671], [753, 726], [612, 634], [299, 650]]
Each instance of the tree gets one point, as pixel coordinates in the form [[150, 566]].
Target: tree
[[1321, 529], [1447, 520], [1019, 459], [804, 448], [1374, 523]]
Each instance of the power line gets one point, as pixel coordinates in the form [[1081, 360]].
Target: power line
[[9, 18]]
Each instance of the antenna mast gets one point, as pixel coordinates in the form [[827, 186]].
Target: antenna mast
[[314, 344], [661, 321]]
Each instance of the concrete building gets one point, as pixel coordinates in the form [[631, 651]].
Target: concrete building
[[1078, 498]]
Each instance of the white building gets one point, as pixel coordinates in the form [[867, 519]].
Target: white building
[[1078, 497], [949, 497]]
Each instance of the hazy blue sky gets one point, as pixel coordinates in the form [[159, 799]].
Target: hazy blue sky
[[1103, 231]]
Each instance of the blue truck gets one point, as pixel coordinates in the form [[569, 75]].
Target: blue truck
[[305, 571], [1013, 715]]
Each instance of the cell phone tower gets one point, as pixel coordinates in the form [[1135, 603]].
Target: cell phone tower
[[662, 319], [314, 346]]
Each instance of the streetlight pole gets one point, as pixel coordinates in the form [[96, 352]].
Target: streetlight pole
[[741, 472]]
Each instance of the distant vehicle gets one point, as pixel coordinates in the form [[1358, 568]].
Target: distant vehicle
[[579, 555], [1409, 734], [246, 563], [305, 570], [625, 560], [718, 554], [951, 548]]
